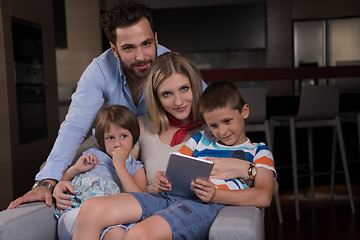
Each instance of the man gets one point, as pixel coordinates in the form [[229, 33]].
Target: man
[[115, 76]]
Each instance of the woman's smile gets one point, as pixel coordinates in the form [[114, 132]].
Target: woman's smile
[[176, 96]]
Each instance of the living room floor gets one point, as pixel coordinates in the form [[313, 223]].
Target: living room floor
[[321, 219]]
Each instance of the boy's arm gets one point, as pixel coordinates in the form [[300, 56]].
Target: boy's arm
[[225, 168], [259, 196]]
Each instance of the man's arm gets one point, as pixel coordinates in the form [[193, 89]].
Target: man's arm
[[40, 193], [85, 104]]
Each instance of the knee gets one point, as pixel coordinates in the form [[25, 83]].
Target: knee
[[89, 210]]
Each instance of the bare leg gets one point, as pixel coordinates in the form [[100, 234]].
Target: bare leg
[[152, 228], [117, 233], [100, 212]]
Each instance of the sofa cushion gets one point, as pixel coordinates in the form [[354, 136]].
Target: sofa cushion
[[238, 222], [28, 221]]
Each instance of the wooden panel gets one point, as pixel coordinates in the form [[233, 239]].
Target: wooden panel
[[309, 9], [6, 191], [84, 40], [275, 74], [20, 162]]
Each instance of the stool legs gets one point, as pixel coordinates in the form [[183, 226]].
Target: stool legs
[[344, 161], [294, 166], [358, 123], [268, 137], [311, 163], [333, 161], [278, 207]]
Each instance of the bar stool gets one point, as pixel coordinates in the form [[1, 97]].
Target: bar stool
[[257, 122], [352, 117], [319, 107]]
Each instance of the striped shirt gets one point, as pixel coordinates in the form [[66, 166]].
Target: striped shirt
[[257, 153]]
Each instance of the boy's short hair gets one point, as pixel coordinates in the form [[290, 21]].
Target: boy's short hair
[[221, 94], [120, 116], [124, 13]]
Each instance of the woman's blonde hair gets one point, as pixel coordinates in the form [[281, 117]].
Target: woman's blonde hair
[[163, 67]]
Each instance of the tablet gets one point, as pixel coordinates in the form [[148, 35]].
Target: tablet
[[183, 169]]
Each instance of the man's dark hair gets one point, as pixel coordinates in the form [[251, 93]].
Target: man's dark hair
[[124, 13]]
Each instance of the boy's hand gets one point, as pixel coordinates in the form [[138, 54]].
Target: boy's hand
[[86, 162], [119, 156], [160, 182], [227, 168], [204, 189]]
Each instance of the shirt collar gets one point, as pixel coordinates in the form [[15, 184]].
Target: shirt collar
[[121, 72]]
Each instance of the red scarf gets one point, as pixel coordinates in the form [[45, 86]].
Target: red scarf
[[180, 134]]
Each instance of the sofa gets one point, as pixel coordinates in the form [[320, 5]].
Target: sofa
[[36, 221]]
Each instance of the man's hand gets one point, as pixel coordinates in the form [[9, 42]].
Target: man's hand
[[62, 196], [37, 194]]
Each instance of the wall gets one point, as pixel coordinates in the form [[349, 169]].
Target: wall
[[83, 41], [280, 14], [7, 111], [314, 9]]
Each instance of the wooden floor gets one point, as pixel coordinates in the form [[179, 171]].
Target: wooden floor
[[322, 219]]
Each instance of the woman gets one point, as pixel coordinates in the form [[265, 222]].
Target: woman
[[173, 89]]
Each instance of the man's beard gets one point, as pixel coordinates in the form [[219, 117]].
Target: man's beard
[[131, 69]]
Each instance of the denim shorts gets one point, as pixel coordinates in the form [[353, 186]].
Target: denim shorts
[[187, 218]]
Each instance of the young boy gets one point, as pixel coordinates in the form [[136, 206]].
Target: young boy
[[166, 216], [225, 111]]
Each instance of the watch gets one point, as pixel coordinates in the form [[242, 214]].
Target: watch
[[252, 171], [43, 183]]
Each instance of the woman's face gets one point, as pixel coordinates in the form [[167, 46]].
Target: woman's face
[[176, 96]]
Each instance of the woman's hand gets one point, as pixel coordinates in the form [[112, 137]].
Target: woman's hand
[[160, 182], [62, 196], [204, 189], [228, 168]]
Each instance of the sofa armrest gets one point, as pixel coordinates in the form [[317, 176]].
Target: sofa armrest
[[238, 222], [28, 221]]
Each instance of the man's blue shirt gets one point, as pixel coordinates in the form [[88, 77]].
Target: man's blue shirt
[[102, 79]]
